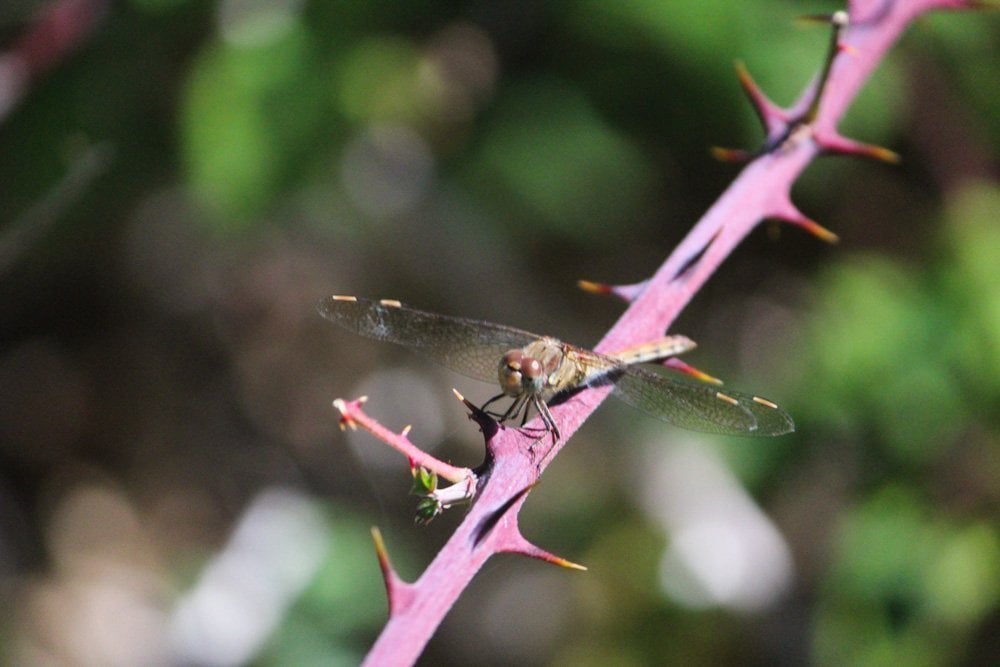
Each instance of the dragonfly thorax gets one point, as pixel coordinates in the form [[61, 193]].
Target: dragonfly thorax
[[520, 374]]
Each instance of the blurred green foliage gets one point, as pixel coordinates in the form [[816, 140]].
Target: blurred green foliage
[[912, 350], [904, 357], [252, 116], [549, 151]]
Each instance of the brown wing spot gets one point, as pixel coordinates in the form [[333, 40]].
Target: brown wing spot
[[340, 297], [391, 303], [766, 403], [727, 399]]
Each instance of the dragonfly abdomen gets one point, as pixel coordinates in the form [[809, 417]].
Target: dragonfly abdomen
[[668, 346]]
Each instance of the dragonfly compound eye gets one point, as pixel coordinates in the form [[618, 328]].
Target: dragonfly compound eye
[[531, 374], [531, 367]]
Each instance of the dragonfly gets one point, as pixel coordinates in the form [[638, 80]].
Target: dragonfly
[[535, 370]]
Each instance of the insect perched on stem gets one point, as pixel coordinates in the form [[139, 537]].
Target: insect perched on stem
[[533, 370]]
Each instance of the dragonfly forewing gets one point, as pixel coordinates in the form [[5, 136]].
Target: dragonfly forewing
[[470, 347]]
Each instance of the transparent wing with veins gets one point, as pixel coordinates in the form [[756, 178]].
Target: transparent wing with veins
[[701, 407], [470, 347], [474, 348]]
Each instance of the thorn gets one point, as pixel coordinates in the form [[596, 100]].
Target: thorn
[[346, 421], [594, 288], [817, 230], [398, 592], [730, 155], [487, 424], [682, 367], [381, 552], [844, 146], [526, 548], [541, 554], [406, 430], [771, 116], [626, 293], [790, 214], [839, 21]]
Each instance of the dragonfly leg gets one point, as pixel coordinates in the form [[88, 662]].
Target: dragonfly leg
[[543, 411], [520, 403], [495, 398], [512, 411]]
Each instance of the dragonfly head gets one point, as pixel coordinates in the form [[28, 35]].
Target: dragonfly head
[[519, 374]]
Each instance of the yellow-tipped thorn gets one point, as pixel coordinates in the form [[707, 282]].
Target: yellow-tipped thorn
[[458, 395], [592, 287], [380, 550], [745, 78], [688, 369], [882, 154], [819, 231], [345, 419], [704, 377], [406, 430], [568, 564], [729, 155]]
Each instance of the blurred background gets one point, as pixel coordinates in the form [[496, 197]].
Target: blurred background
[[181, 181]]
